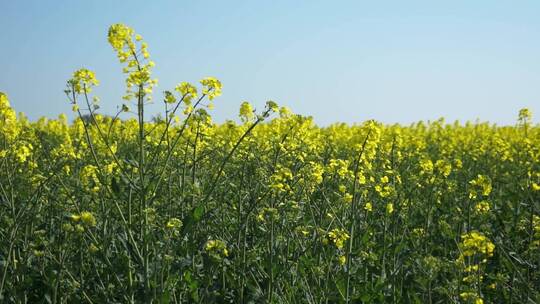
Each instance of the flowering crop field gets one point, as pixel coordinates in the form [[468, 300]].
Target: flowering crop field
[[270, 209]]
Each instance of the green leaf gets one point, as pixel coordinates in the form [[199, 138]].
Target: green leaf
[[198, 213]]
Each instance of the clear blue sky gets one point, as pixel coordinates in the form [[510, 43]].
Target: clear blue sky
[[394, 61]]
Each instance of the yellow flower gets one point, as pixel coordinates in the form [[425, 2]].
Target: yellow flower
[[302, 231], [338, 237], [443, 167], [67, 227], [419, 232], [93, 248], [9, 127], [272, 106], [83, 80], [174, 223], [246, 111], [79, 228], [427, 166], [525, 115], [389, 208], [268, 214], [121, 39], [482, 207], [75, 217], [472, 268], [211, 87], [216, 248], [285, 112], [368, 207], [89, 177], [88, 219], [169, 97], [475, 243], [481, 184], [471, 297], [187, 90], [119, 35], [23, 152]]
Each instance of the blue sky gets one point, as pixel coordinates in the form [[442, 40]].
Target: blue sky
[[393, 61]]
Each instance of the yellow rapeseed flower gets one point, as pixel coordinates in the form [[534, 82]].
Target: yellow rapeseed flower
[[338, 237], [174, 223], [83, 80], [211, 87], [368, 207], [88, 219], [389, 208]]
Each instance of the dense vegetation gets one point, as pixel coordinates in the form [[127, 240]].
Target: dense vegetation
[[271, 209]]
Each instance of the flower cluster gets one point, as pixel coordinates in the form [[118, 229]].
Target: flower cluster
[[187, 91], [216, 249], [211, 87], [83, 80], [8, 119], [481, 185], [246, 112], [86, 218], [338, 237], [138, 66], [476, 244]]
